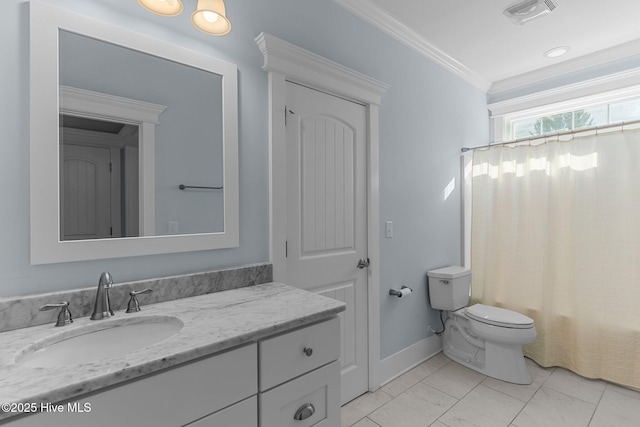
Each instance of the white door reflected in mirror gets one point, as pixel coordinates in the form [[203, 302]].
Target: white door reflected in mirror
[[98, 179]]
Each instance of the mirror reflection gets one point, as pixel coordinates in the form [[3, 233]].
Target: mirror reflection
[[98, 179], [106, 188]]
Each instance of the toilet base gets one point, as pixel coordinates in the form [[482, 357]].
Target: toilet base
[[503, 361], [512, 368]]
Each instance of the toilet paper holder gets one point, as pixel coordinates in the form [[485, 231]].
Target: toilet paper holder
[[404, 290]]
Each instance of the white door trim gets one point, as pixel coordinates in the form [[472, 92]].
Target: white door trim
[[284, 61], [86, 103]]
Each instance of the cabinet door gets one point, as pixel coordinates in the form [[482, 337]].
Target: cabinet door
[[171, 398], [319, 390], [243, 414]]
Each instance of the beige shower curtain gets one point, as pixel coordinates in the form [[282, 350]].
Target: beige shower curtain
[[556, 236]]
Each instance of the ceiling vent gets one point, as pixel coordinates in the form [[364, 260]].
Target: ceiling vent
[[528, 10]]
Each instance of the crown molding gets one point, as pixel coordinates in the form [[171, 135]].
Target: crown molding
[[380, 19], [570, 66]]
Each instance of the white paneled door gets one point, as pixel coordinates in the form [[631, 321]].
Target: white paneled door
[[327, 215], [86, 193]]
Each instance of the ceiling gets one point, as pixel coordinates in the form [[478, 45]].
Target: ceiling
[[473, 39]]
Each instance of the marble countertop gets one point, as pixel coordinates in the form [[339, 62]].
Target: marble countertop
[[212, 323]]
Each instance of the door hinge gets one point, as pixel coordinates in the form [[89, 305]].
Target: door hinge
[[110, 231], [286, 248], [110, 167], [286, 110]]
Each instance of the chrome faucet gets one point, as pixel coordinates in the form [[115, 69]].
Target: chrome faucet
[[102, 307]]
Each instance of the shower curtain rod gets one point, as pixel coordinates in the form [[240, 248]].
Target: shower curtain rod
[[553, 135]]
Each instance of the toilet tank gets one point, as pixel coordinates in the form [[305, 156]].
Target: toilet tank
[[449, 287]]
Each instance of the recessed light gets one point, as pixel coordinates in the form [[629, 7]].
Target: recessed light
[[556, 51]]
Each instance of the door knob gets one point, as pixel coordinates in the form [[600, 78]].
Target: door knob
[[363, 263]]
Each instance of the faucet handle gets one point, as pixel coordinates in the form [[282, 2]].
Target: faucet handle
[[134, 305], [64, 317]]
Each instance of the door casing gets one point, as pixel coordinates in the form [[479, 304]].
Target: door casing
[[283, 62]]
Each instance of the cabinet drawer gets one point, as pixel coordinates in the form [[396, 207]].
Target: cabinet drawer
[[243, 414], [283, 357], [171, 398], [319, 388]]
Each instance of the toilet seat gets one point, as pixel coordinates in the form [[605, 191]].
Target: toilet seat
[[498, 317]]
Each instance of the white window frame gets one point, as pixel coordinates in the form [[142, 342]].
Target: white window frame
[[603, 90]]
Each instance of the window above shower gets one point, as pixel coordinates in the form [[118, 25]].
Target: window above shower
[[578, 119], [593, 104]]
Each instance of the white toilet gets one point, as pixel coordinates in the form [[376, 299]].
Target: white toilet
[[484, 338]]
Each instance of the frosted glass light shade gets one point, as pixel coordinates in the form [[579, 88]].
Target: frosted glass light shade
[[210, 17], [163, 7]]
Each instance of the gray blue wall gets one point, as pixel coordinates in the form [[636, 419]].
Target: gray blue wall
[[427, 116]]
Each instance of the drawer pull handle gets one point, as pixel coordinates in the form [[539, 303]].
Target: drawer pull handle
[[304, 412], [308, 351]]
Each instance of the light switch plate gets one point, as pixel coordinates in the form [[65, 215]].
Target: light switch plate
[[388, 229]]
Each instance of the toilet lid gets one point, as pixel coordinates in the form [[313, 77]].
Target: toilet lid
[[498, 316]]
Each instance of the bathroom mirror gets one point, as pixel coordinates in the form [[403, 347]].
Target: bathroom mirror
[[161, 117], [100, 143]]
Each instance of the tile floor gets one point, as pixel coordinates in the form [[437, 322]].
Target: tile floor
[[442, 393]]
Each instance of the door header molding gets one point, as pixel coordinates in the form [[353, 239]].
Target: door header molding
[[302, 66]]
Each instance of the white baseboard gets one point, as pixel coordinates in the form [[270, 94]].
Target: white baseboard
[[409, 357]]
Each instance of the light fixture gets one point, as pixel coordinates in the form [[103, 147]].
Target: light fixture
[[163, 7], [556, 51], [528, 10], [209, 17]]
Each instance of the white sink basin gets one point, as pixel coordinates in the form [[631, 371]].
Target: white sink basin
[[101, 339]]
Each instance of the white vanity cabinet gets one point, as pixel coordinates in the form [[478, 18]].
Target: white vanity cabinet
[[263, 384], [300, 377], [172, 398], [240, 414]]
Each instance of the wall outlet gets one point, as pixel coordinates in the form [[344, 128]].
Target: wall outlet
[[173, 227]]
